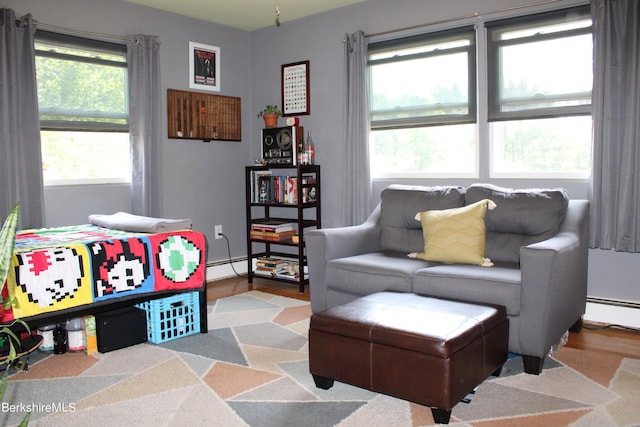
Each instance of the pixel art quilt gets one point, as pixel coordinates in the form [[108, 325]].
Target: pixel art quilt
[[54, 269]]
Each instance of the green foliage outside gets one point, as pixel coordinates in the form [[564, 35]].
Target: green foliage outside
[[71, 90], [68, 155], [526, 146], [82, 98]]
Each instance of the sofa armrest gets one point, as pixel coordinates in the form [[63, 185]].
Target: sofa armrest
[[554, 282], [326, 244]]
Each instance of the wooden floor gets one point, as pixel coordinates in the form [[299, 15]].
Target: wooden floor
[[238, 285], [592, 338]]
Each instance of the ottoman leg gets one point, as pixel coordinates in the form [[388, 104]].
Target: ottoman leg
[[440, 416], [322, 382]]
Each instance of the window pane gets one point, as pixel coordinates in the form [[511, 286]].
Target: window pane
[[559, 147], [546, 74], [425, 151], [423, 80], [72, 88], [421, 87], [85, 156]]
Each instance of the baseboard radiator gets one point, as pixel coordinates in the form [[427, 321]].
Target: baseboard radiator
[[223, 269], [613, 311]]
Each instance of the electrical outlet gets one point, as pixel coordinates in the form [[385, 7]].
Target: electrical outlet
[[217, 230]]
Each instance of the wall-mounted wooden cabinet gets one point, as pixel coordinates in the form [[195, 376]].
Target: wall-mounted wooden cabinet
[[195, 115]]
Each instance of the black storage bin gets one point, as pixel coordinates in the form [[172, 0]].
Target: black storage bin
[[121, 328]]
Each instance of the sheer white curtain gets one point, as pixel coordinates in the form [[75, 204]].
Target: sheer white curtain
[[20, 155], [145, 101], [357, 183], [615, 185]]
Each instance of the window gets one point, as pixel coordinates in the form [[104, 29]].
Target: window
[[423, 104], [540, 79], [535, 103], [82, 97]]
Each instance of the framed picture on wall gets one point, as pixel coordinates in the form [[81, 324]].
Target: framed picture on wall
[[204, 67], [295, 89]]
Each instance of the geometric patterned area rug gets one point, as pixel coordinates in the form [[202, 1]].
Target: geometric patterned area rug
[[251, 369]]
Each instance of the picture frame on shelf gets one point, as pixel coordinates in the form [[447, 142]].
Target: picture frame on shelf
[[295, 89], [204, 67]]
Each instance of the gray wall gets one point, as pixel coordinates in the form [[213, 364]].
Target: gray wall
[[201, 181], [319, 39], [205, 181]]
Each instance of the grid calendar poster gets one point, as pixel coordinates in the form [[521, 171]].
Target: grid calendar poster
[[295, 88]]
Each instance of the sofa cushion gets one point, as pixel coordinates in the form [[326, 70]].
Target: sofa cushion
[[399, 205], [455, 235], [500, 284], [372, 272], [522, 217]]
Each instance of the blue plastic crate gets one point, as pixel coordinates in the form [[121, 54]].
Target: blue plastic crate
[[172, 317]]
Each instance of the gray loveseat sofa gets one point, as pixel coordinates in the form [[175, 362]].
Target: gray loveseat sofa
[[536, 239]]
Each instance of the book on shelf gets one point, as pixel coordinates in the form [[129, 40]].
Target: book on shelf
[[288, 275], [274, 226], [308, 179], [278, 268], [271, 262], [274, 260], [264, 273], [269, 271], [309, 194], [292, 272], [256, 178], [268, 188], [275, 236], [308, 190]]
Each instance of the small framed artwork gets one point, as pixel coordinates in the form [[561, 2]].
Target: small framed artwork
[[204, 67], [295, 89]]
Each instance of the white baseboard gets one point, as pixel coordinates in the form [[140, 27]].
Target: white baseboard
[[625, 314], [219, 271]]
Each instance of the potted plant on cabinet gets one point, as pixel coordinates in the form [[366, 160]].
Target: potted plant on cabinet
[[270, 115]]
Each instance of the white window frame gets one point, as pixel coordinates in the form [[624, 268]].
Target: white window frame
[[73, 42], [484, 158], [455, 41], [378, 49]]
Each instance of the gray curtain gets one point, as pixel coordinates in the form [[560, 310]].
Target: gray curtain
[[357, 183], [615, 185], [145, 101], [20, 155]]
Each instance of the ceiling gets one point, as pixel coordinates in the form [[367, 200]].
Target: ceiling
[[245, 14]]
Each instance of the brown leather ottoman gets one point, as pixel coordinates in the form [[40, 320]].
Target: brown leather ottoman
[[425, 350]]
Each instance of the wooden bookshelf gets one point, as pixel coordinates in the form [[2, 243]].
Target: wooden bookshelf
[[268, 205]]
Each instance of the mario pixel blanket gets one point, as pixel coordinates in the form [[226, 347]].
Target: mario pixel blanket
[[57, 268]]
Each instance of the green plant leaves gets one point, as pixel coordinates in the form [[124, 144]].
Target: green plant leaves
[[7, 238]]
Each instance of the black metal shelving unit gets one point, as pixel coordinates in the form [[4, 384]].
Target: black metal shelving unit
[[307, 215]]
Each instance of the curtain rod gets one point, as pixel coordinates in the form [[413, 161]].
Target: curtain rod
[[72, 31], [444, 21]]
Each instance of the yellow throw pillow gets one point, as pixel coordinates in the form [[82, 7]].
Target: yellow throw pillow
[[455, 236]]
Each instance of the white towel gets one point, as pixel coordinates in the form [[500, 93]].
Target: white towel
[[143, 224]]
